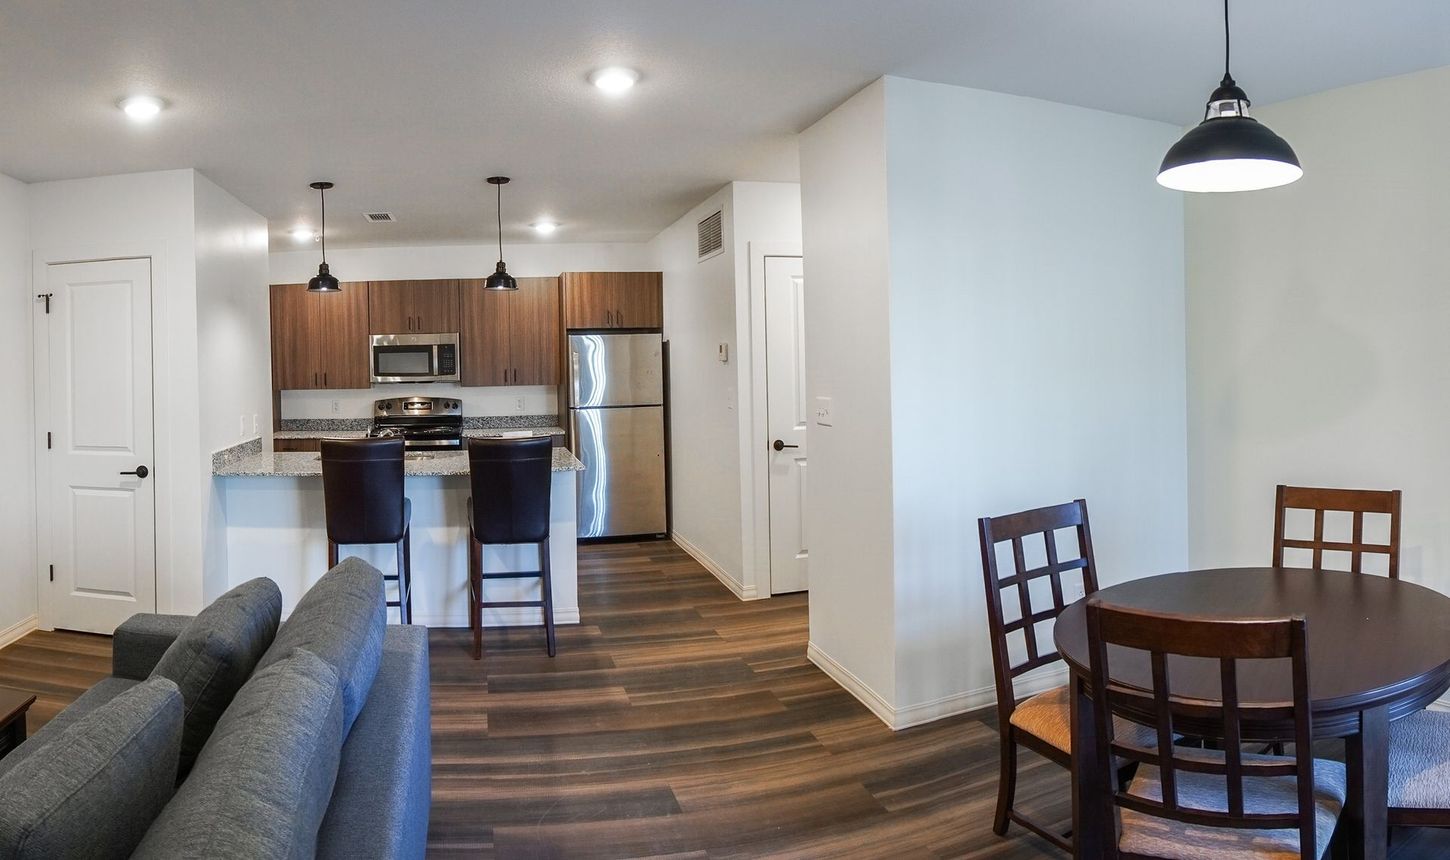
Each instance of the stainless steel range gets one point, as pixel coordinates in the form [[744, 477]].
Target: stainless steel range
[[423, 423]]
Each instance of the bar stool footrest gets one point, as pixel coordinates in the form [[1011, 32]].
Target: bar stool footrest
[[514, 575], [538, 603]]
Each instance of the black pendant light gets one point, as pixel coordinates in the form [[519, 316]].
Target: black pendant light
[[324, 282], [500, 279], [1229, 150]]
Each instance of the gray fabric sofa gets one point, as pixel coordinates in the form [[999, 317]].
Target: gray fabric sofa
[[317, 745]]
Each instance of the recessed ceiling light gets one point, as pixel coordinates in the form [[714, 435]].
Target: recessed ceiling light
[[544, 228], [142, 108], [302, 234], [614, 80]]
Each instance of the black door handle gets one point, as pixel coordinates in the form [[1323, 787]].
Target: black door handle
[[781, 446], [140, 472]]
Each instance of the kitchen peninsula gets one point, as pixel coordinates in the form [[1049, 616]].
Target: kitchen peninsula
[[273, 507]]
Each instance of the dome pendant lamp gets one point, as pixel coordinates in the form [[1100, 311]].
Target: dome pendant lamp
[[1229, 150], [500, 279], [324, 282]]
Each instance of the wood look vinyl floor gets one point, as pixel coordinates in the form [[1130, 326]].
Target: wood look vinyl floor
[[676, 721]]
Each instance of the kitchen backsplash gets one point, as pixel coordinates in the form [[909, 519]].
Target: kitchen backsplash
[[525, 400]]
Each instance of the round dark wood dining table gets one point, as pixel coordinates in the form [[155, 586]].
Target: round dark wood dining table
[[1378, 649]]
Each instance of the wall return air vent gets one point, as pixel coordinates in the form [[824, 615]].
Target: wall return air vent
[[379, 217], [710, 236]]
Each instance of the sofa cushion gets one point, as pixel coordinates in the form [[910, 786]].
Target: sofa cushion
[[380, 803], [104, 691], [341, 620], [215, 654], [91, 791], [264, 779]]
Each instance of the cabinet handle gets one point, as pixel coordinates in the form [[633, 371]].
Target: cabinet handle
[[324, 377], [314, 379], [618, 317], [609, 318]]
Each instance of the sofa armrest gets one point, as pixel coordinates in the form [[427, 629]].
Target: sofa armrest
[[139, 643]]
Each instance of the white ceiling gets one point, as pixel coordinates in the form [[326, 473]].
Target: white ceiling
[[408, 106]]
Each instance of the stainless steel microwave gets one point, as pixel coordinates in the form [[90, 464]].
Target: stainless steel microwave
[[415, 357]]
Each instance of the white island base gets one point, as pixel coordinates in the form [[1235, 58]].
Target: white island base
[[275, 528]]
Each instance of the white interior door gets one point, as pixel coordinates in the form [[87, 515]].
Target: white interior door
[[786, 422], [101, 512]]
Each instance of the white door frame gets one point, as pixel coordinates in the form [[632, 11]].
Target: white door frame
[[756, 438], [168, 469]]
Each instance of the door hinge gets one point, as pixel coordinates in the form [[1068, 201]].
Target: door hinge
[[45, 296], [52, 573]]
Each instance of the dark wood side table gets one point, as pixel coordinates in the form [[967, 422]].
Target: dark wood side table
[[13, 705], [1379, 649]]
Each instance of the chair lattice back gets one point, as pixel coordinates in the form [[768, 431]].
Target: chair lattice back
[[1228, 641], [1014, 528], [1357, 503]]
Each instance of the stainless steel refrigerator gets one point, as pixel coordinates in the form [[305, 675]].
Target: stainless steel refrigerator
[[617, 421]]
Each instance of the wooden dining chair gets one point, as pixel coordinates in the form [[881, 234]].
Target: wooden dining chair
[[1355, 502], [1041, 723], [1185, 803]]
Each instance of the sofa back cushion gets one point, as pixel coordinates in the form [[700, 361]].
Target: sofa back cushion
[[341, 620], [214, 656], [92, 790], [264, 779]]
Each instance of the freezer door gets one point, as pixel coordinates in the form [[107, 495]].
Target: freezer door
[[622, 487], [615, 370]]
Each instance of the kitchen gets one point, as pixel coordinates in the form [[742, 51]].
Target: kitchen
[[425, 355]]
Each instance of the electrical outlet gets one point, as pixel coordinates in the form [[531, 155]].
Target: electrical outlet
[[241, 425], [723, 351], [336, 407], [256, 428], [519, 405], [823, 411]]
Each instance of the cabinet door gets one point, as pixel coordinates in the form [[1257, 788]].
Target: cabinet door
[[292, 338], [534, 332], [413, 307], [588, 299], [483, 335], [340, 345], [639, 301]]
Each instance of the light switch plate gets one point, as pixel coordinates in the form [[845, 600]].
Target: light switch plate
[[724, 353], [823, 411]]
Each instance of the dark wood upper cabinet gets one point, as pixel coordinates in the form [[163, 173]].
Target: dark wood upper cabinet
[[510, 338], [413, 307], [319, 340], [613, 300]]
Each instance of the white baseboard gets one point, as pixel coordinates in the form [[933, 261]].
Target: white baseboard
[[1440, 704], [503, 616], [744, 592], [925, 712], [16, 631]]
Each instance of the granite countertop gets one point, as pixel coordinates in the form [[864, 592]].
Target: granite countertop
[[469, 433], [306, 464]]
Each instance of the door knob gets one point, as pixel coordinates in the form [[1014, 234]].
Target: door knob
[[781, 446], [140, 472]]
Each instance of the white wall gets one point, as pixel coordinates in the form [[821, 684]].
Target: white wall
[[446, 261], [19, 605], [233, 325], [147, 214], [1317, 339], [996, 309], [849, 515]]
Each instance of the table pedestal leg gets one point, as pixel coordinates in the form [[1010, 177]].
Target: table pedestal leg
[[1366, 755], [1087, 817]]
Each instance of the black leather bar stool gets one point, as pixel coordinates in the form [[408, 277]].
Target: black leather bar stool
[[510, 479], [362, 490]]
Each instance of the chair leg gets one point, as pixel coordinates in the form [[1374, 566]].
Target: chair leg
[[406, 572], [331, 554], [1006, 782], [475, 594], [547, 586], [402, 582]]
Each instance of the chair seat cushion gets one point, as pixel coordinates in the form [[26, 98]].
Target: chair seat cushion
[[1175, 840], [92, 790], [1420, 761], [215, 654], [1048, 715]]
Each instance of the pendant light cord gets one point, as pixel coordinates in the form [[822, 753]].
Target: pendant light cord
[[498, 209], [322, 192], [1228, 78]]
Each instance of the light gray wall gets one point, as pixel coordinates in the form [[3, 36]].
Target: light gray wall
[[19, 605], [1318, 352]]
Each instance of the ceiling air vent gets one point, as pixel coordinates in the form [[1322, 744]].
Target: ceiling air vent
[[710, 239], [379, 217]]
